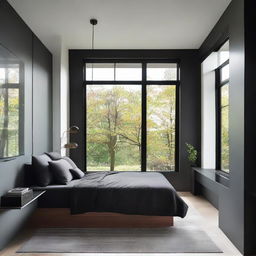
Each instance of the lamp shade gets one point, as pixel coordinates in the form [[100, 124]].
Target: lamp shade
[[73, 129], [71, 145]]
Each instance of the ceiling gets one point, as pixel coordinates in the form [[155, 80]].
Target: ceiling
[[122, 24]]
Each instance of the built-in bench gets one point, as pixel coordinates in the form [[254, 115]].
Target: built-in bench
[[207, 182]]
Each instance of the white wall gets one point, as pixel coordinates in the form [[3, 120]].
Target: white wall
[[56, 96], [60, 96], [64, 98], [208, 112]]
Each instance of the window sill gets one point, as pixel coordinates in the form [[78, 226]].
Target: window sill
[[7, 159], [222, 178], [216, 176]]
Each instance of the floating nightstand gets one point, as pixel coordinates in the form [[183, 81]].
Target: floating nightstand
[[36, 195]]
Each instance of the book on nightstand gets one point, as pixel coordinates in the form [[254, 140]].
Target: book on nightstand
[[17, 197]]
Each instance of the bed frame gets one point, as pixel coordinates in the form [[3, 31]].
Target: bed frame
[[61, 218]]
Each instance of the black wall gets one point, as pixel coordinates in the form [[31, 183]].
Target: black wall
[[19, 39], [236, 203], [250, 122], [190, 98], [42, 98]]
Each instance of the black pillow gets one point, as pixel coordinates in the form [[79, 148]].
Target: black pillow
[[54, 155], [77, 173], [41, 171], [70, 161], [61, 171]]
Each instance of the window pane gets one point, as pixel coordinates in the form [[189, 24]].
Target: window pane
[[161, 71], [128, 71], [224, 73], [2, 76], [224, 95], [161, 104], [113, 127], [9, 122], [13, 74], [99, 71], [223, 53], [225, 139], [225, 127]]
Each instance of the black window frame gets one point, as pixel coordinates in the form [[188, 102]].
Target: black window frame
[[219, 85], [143, 82]]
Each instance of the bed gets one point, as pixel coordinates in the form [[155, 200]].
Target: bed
[[111, 199], [138, 193]]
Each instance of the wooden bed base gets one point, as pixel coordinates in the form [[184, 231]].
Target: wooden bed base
[[61, 218]]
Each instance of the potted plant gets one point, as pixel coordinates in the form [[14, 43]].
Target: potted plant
[[192, 154]]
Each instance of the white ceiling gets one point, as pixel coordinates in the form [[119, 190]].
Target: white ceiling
[[123, 24]]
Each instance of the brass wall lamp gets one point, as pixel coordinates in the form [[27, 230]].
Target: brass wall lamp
[[72, 130], [71, 145]]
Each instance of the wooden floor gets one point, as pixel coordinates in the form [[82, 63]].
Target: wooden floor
[[205, 216]]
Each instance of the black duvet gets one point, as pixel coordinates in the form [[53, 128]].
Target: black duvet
[[127, 192]]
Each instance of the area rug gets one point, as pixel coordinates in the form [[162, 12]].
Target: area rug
[[107, 240]]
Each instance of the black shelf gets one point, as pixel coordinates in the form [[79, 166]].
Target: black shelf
[[36, 194]]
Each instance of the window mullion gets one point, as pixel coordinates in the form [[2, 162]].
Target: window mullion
[[144, 120]]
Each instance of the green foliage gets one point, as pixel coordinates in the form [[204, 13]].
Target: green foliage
[[9, 122], [192, 153], [117, 168], [225, 128], [161, 127], [114, 127]]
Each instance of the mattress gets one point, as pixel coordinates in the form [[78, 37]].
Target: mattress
[[140, 193]]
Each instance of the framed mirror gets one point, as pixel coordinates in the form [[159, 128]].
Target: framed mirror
[[11, 105]]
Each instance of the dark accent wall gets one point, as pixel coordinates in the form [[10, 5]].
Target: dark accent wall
[[250, 134], [20, 40], [42, 98], [190, 98], [236, 203]]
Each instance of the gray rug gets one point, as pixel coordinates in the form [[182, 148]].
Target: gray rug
[[92, 240]]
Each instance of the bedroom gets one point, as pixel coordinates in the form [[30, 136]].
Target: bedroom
[[128, 97]]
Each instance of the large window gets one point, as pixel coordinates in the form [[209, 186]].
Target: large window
[[11, 105], [131, 116], [222, 89]]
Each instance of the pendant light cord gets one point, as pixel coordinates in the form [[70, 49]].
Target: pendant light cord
[[92, 37], [93, 22], [92, 46]]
